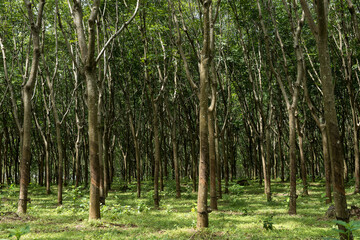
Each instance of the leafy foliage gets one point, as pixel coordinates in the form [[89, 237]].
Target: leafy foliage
[[18, 232]]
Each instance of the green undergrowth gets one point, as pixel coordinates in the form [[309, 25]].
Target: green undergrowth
[[243, 214]]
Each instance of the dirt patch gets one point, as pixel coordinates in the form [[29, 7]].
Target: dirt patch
[[12, 216], [65, 229], [123, 226], [5, 199], [78, 227], [232, 213]]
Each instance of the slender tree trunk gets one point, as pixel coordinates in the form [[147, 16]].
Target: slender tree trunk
[[106, 161], [292, 139], [268, 165], [58, 138], [87, 50], [202, 208], [92, 99], [157, 154], [212, 158], [302, 158], [175, 156], [312, 155], [320, 30], [327, 163], [138, 167], [27, 94], [77, 149], [193, 164], [218, 162], [282, 176], [101, 151], [335, 143], [225, 163]]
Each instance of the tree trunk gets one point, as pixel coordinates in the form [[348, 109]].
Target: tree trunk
[[92, 99], [193, 164], [175, 156], [212, 158], [60, 155], [225, 163], [268, 165], [100, 130], [202, 208], [27, 94], [87, 50], [292, 139], [218, 162], [302, 158], [332, 128], [334, 138], [327, 163], [77, 146], [157, 154]]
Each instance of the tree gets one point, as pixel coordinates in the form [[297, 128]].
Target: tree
[[35, 26], [320, 31]]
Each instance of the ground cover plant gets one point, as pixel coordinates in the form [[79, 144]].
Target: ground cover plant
[[244, 213]]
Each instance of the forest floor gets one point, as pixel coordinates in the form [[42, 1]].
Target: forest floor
[[241, 214]]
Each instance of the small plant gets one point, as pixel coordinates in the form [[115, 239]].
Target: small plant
[[104, 208], [84, 204], [74, 194], [142, 207], [323, 198], [193, 224], [268, 223], [287, 201], [169, 209], [236, 189], [12, 191], [150, 196], [194, 208], [350, 227], [59, 209], [244, 211], [18, 232]]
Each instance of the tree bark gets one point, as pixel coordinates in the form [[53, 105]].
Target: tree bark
[[320, 32], [205, 61], [212, 158], [27, 94], [87, 50], [175, 157], [300, 131], [327, 163], [292, 139], [155, 123]]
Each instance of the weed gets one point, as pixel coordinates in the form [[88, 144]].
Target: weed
[[169, 208], [193, 224], [268, 223], [244, 211], [194, 208], [142, 207], [236, 189], [323, 198], [18, 232], [350, 227]]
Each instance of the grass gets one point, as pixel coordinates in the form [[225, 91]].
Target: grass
[[241, 214]]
